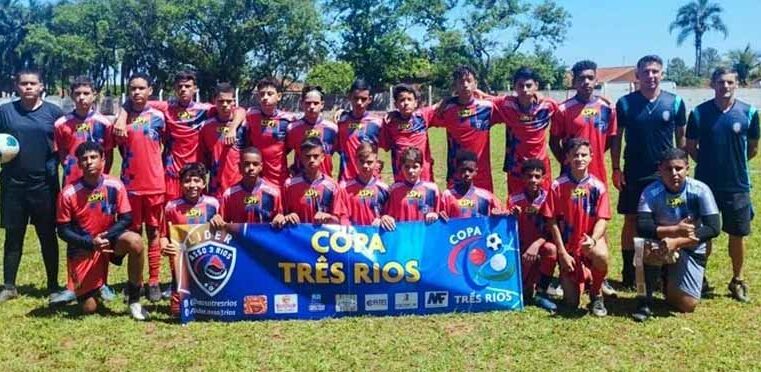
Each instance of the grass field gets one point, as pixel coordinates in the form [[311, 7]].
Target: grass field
[[722, 334]]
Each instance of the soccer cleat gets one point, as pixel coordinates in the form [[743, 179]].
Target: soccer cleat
[[61, 297], [8, 294], [137, 311], [607, 290], [107, 294], [706, 290], [167, 294], [739, 290], [541, 300], [154, 293], [642, 313], [555, 291], [598, 307]]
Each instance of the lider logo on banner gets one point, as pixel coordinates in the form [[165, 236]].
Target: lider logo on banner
[[480, 266], [211, 262]]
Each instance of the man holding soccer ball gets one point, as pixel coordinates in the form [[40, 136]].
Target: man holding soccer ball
[[29, 183]]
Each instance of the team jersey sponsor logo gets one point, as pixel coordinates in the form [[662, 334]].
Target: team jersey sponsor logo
[[376, 302], [184, 115], [578, 193], [366, 193], [467, 112], [675, 202], [355, 126], [140, 120], [531, 209], [211, 260], [193, 212], [223, 130], [255, 305], [83, 127], [311, 133], [589, 112], [346, 303], [97, 196], [250, 200], [312, 193], [286, 304], [414, 194], [405, 301], [269, 123], [316, 304], [436, 299], [524, 118], [403, 126], [466, 203]]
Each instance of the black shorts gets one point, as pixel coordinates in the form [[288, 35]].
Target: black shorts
[[736, 212], [20, 204], [628, 198]]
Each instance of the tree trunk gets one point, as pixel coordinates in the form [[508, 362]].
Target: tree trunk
[[698, 53]]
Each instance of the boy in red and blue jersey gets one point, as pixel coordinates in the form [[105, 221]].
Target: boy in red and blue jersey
[[312, 125], [527, 117], [81, 125], [220, 158], [578, 210], [93, 217], [267, 127], [467, 121], [407, 127], [192, 208], [312, 196], [143, 172], [253, 199], [184, 120], [366, 194], [356, 127], [412, 199], [585, 115], [538, 254], [464, 199]]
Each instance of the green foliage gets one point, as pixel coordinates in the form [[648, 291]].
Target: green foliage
[[334, 77], [711, 59], [746, 62], [696, 18], [678, 72]]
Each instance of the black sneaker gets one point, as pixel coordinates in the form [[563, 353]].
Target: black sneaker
[[739, 290], [707, 289], [598, 307], [154, 293], [642, 313]]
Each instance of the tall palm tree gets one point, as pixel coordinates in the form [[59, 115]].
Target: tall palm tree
[[697, 18], [744, 61]]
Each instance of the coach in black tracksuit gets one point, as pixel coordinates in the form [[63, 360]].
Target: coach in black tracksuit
[[29, 183]]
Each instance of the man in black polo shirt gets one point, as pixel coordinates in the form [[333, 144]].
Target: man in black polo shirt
[[650, 120], [29, 183]]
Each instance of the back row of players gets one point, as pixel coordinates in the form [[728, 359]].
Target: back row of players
[[246, 156]]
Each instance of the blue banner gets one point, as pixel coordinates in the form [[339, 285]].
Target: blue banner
[[252, 271]]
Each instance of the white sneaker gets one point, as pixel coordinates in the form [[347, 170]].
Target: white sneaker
[[137, 311]]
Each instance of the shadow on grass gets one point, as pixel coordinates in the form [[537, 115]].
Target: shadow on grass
[[70, 311], [32, 291]]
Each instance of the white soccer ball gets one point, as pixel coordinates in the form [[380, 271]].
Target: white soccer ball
[[493, 241], [9, 147]]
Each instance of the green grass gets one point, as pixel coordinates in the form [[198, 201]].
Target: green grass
[[722, 334]]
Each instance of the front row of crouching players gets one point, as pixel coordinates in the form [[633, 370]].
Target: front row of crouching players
[[677, 215], [93, 217]]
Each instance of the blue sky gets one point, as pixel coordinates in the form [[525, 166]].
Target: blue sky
[[616, 33]]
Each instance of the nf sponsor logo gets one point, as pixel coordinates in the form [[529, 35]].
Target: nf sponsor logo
[[405, 301], [376, 302], [286, 304], [436, 299], [316, 304], [346, 303]]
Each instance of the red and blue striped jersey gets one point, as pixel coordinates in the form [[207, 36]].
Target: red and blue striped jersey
[[70, 131], [351, 133], [142, 168], [258, 205]]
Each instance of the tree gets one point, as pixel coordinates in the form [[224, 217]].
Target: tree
[[333, 76], [711, 59], [678, 72], [697, 18], [745, 62]]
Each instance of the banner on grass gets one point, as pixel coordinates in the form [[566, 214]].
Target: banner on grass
[[255, 272]]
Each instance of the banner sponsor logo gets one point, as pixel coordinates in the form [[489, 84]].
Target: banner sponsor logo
[[436, 299], [405, 301], [346, 303], [286, 304], [376, 302]]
